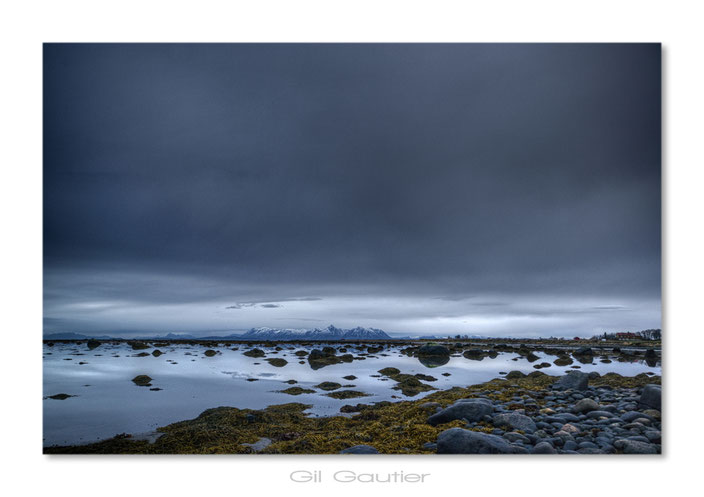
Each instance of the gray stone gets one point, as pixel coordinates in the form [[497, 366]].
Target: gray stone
[[544, 448], [470, 409], [515, 421], [651, 397], [573, 380], [631, 416], [590, 450], [599, 414], [635, 447], [585, 405], [461, 441], [653, 436], [514, 436], [360, 449], [570, 445]]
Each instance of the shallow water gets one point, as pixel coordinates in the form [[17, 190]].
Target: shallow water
[[106, 402]]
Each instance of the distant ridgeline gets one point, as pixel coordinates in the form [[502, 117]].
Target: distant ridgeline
[[329, 333]]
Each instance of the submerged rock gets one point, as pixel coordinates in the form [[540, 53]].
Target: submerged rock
[[142, 380], [59, 396], [429, 350]]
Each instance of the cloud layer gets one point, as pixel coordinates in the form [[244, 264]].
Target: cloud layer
[[399, 185]]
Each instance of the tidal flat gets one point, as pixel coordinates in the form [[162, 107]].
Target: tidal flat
[[386, 397]]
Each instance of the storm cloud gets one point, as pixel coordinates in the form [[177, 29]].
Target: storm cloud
[[492, 189]]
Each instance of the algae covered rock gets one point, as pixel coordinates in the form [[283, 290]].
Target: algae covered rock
[[328, 385], [297, 391], [346, 394], [255, 353], [320, 358], [389, 371], [93, 344], [563, 360], [277, 362]]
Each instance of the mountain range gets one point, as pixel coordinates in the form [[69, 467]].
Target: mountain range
[[329, 333]]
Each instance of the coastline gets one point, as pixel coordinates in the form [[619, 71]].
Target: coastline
[[515, 414]]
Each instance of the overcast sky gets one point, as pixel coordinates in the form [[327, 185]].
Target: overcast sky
[[509, 190]]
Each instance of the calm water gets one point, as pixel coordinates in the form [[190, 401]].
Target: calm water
[[107, 402]]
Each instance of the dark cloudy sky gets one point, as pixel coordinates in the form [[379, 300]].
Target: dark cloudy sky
[[421, 189]]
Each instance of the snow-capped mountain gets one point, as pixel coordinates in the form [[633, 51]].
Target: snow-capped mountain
[[329, 333]]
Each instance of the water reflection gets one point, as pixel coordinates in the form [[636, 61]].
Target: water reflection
[[106, 402]]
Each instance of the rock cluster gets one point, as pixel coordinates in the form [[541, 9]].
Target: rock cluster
[[573, 418]]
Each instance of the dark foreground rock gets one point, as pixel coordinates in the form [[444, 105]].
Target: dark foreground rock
[[467, 409], [651, 397], [573, 380], [360, 449], [461, 441]]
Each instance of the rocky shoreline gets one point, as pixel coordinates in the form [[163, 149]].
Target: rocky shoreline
[[577, 413]]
